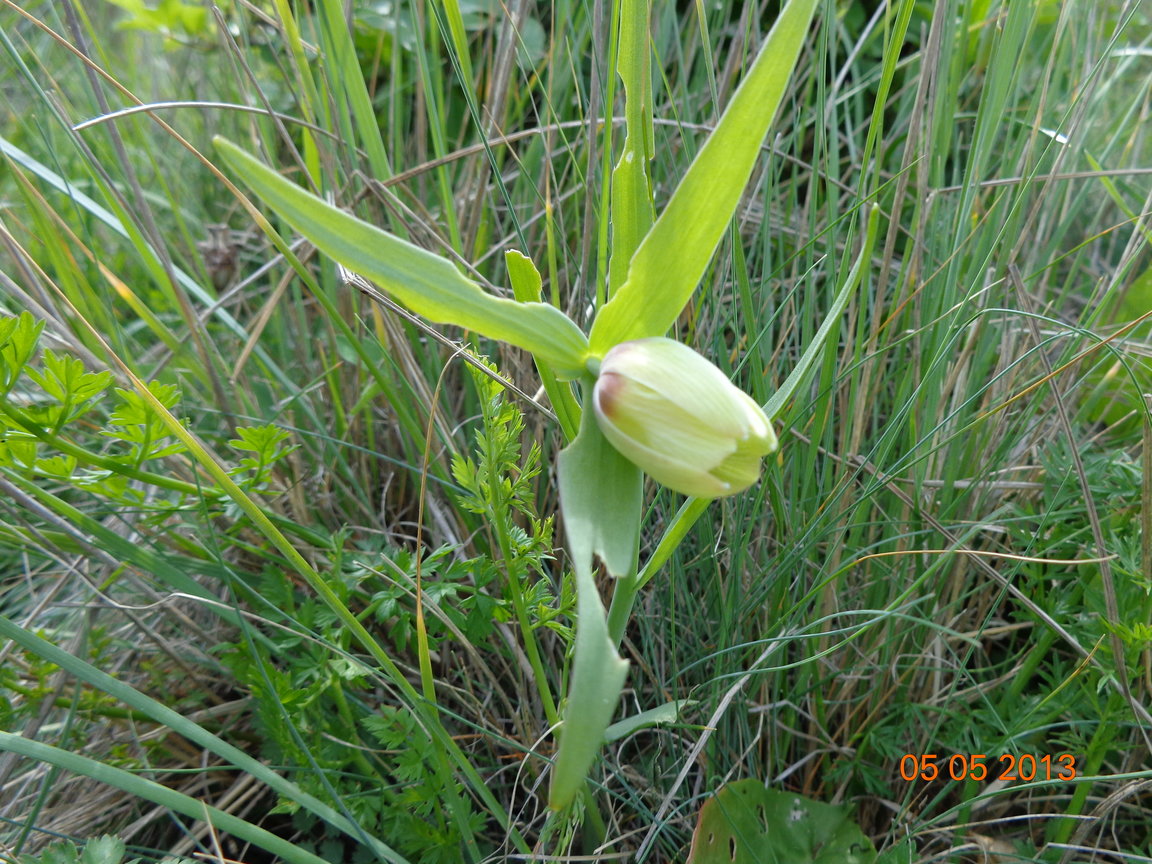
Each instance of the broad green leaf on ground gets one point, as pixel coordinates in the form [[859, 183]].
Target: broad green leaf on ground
[[675, 253], [601, 494], [746, 824], [427, 284]]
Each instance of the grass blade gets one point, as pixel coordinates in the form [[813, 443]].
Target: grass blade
[[165, 716], [158, 794]]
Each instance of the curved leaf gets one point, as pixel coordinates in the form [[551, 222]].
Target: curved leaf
[[424, 282], [661, 715]]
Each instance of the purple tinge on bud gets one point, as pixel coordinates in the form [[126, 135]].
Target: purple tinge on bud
[[680, 419]]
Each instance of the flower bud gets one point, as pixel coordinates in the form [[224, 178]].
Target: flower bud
[[679, 418]]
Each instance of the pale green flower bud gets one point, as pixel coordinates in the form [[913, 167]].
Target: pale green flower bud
[[679, 418]]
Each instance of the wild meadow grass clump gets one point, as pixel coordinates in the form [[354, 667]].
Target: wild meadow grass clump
[[324, 527]]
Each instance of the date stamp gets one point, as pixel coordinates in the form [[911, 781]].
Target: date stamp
[[981, 766]]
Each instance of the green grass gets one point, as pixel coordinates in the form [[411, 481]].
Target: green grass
[[946, 555]]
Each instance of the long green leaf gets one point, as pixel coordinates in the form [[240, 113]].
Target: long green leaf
[[355, 102], [161, 566], [674, 255], [111, 221], [631, 191], [152, 791], [195, 733], [426, 283], [601, 493], [447, 752]]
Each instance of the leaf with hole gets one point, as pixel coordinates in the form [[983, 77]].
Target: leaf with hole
[[748, 824]]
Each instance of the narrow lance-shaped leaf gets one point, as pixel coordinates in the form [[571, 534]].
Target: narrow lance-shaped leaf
[[675, 253], [424, 282], [831, 320], [661, 715], [631, 192], [113, 222], [526, 287]]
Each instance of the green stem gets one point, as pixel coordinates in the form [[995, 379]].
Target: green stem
[[595, 828], [531, 647], [620, 611], [345, 712], [94, 460], [1102, 740], [682, 523]]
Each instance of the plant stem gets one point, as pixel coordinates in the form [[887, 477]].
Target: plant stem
[[620, 611], [95, 460], [531, 648]]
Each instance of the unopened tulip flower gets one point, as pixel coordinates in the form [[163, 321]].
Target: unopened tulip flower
[[679, 419]]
